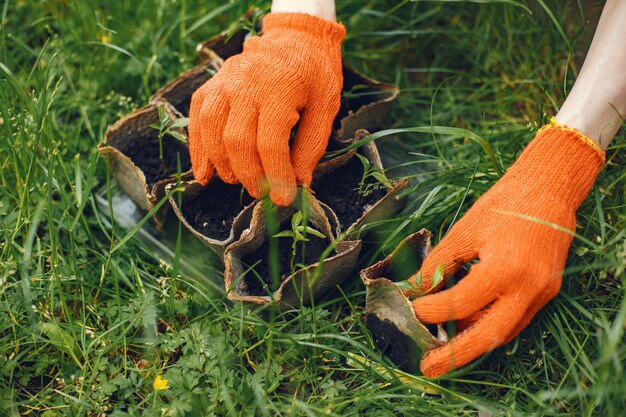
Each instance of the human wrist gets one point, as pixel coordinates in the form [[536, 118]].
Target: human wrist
[[600, 128], [324, 9], [328, 34]]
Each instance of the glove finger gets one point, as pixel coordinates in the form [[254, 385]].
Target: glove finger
[[487, 334], [538, 303], [240, 143], [454, 250], [466, 323], [198, 150], [311, 140], [275, 124], [212, 123], [468, 296]]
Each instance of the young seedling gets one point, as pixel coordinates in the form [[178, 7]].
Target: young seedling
[[411, 289], [371, 171], [298, 233], [168, 127]]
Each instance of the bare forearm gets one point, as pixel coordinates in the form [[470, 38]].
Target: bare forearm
[[320, 8], [597, 103]]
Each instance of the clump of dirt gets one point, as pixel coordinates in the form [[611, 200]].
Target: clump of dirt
[[307, 253], [143, 150], [214, 209], [342, 191]]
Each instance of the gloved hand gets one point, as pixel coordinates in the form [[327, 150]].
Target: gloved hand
[[241, 119], [520, 230]]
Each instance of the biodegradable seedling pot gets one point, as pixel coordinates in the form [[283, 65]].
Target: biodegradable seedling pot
[[216, 213], [247, 275], [358, 201], [396, 331], [133, 150], [179, 91], [365, 104]]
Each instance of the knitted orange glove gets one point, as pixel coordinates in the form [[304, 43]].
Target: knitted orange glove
[[520, 230], [241, 119]]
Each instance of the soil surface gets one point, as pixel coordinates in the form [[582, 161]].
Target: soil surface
[[183, 106], [143, 150], [311, 251], [180, 96], [340, 190], [214, 209], [394, 344]]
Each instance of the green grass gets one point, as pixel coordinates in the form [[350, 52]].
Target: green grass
[[85, 329]]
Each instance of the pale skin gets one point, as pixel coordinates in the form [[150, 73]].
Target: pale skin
[[320, 8], [596, 105]]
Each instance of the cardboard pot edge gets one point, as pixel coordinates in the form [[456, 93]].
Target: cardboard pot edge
[[371, 115], [159, 95], [389, 204], [131, 179], [333, 271], [218, 245], [346, 253], [394, 311], [421, 238], [387, 302]]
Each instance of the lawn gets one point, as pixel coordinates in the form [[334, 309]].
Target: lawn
[[92, 323]]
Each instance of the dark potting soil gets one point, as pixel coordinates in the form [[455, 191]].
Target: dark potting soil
[[394, 344], [180, 96], [183, 106], [214, 209], [143, 150], [340, 190], [312, 250]]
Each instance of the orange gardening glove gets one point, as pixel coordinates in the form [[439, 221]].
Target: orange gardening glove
[[241, 119], [520, 230]]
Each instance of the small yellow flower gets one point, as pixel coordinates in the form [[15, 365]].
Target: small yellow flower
[[104, 39], [160, 383]]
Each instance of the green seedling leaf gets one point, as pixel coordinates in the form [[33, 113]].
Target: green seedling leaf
[[418, 280], [366, 163], [177, 136], [314, 232], [404, 285], [437, 277], [381, 178], [296, 220], [162, 114], [299, 237], [285, 233], [182, 122]]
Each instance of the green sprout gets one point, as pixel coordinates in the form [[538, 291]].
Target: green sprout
[[298, 233], [167, 126], [371, 171]]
